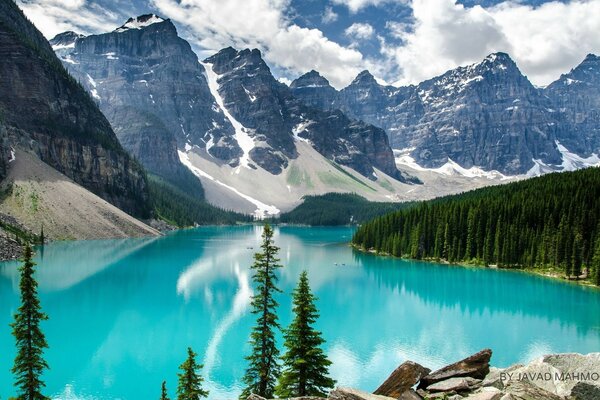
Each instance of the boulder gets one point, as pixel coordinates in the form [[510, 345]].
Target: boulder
[[255, 397], [585, 391], [476, 366], [559, 373], [486, 393], [497, 376], [410, 395], [354, 394], [453, 385], [402, 379], [526, 390]]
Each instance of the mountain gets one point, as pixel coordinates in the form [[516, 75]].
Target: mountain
[[270, 119], [577, 95], [226, 119], [486, 117], [43, 110]]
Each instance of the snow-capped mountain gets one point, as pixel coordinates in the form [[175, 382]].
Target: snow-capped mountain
[[486, 118], [227, 119]]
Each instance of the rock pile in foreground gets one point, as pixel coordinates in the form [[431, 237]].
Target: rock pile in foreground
[[568, 376]]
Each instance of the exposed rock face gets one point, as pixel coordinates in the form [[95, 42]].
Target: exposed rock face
[[42, 108], [476, 366], [273, 119], [486, 115], [577, 95], [402, 379], [148, 82]]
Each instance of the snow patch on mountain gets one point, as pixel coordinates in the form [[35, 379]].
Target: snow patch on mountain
[[451, 168], [572, 161], [139, 22], [262, 210], [245, 141]]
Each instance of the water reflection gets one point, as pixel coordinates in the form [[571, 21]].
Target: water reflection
[[126, 312]]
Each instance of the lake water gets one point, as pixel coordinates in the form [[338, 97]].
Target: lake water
[[122, 312]]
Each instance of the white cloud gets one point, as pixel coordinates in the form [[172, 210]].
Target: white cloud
[[545, 41], [360, 30], [356, 5], [329, 15], [215, 24], [55, 16]]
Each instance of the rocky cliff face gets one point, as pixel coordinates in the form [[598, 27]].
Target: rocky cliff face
[[149, 84], [577, 95], [486, 115], [42, 108], [269, 119]]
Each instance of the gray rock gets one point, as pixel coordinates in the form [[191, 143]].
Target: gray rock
[[486, 393], [585, 391], [255, 397], [410, 395], [354, 394], [402, 379], [496, 376], [453, 384], [475, 366], [525, 390], [559, 373]]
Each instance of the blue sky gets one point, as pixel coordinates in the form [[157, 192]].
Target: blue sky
[[399, 41]]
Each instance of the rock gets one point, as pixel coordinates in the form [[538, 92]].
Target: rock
[[410, 395], [453, 384], [486, 393], [525, 390], [354, 394], [476, 366], [585, 391], [559, 373], [496, 376], [255, 397], [402, 379]]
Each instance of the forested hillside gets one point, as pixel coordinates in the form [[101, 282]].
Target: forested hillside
[[550, 221], [337, 209], [184, 209]]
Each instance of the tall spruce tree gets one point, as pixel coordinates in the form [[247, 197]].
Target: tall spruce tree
[[190, 381], [29, 363], [263, 370], [163, 391], [306, 367]]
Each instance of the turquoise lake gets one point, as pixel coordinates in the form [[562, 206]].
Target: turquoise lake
[[123, 312]]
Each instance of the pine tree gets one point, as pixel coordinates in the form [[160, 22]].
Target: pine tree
[[596, 262], [42, 238], [263, 371], [305, 364], [31, 342], [190, 381], [163, 391]]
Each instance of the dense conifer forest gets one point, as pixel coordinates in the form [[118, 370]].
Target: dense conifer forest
[[337, 209], [549, 222], [182, 209]]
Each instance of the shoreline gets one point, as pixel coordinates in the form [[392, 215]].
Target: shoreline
[[548, 273]]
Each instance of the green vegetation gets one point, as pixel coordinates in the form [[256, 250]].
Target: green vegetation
[[190, 381], [546, 222], [297, 177], [338, 209], [306, 367], [263, 371], [29, 363], [182, 209], [20, 234], [163, 391]]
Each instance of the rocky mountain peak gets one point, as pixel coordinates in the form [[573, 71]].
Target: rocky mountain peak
[[65, 40], [364, 78], [140, 22], [310, 79]]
